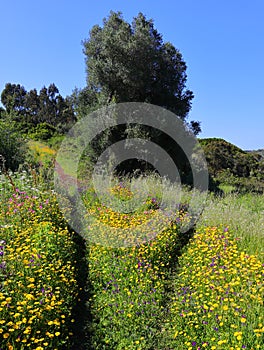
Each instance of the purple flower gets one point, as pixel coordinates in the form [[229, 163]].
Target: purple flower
[[3, 265]]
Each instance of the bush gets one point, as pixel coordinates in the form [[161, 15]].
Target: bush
[[55, 141], [43, 131], [12, 147]]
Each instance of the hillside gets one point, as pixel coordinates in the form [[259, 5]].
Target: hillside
[[230, 165]]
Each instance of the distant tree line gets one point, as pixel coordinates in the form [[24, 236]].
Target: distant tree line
[[30, 109]]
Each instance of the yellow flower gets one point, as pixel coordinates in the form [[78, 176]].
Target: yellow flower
[[27, 331]]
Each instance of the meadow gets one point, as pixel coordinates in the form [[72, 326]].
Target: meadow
[[171, 290]]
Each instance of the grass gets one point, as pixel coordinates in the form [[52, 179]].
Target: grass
[[243, 214]]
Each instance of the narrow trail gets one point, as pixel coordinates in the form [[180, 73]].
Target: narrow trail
[[81, 339], [83, 336], [82, 328]]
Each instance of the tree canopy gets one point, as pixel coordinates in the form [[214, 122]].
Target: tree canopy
[[131, 63], [32, 108]]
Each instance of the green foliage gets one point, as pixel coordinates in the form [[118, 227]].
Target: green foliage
[[12, 146], [2, 113], [132, 63], [243, 213], [30, 109], [55, 141], [43, 131], [230, 165], [13, 98], [84, 101]]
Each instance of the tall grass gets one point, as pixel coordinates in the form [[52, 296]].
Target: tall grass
[[243, 214]]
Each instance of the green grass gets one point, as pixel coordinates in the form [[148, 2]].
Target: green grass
[[243, 214], [227, 188]]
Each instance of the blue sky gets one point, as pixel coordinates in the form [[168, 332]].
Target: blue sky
[[221, 42]]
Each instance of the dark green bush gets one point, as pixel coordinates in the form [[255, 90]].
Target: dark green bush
[[13, 149]]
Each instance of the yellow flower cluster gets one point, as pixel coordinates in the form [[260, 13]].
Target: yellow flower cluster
[[218, 300], [121, 191], [38, 286], [41, 150], [129, 284], [115, 228]]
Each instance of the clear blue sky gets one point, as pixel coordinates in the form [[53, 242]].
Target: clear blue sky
[[222, 43]]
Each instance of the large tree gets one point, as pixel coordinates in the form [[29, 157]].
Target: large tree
[[13, 98], [128, 63], [131, 63]]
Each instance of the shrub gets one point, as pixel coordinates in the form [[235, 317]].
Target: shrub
[[12, 146], [43, 131]]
